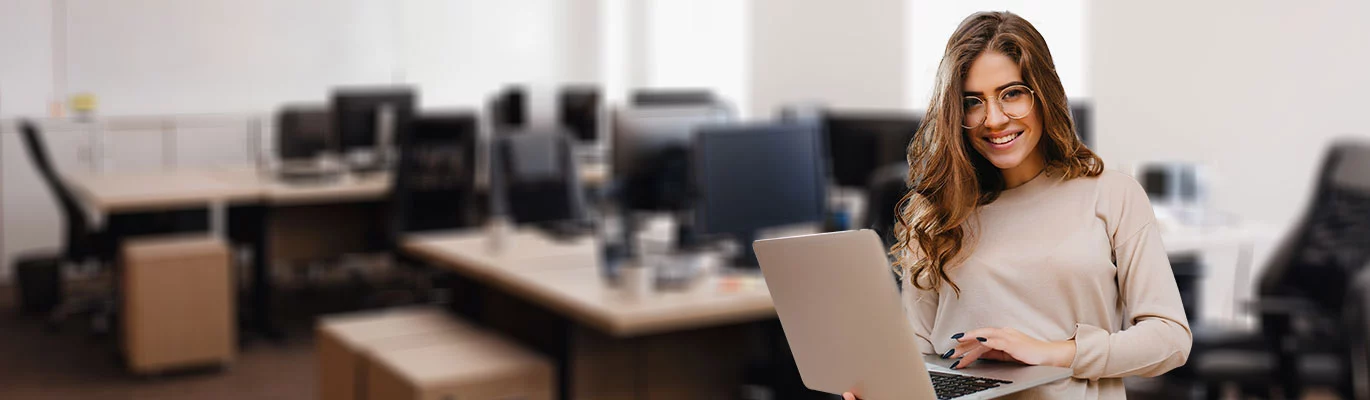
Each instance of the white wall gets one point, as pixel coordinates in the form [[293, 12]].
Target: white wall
[[26, 45], [1253, 89], [844, 53], [699, 44], [172, 57], [158, 57]]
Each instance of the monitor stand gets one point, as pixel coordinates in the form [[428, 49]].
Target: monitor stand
[[365, 161], [745, 259], [566, 230]]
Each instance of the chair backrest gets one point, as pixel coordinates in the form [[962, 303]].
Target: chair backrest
[[887, 187], [536, 178], [434, 186], [78, 244], [1357, 321], [1332, 242]]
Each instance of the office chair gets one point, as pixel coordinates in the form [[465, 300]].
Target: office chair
[[434, 187], [537, 182], [81, 241], [1302, 294], [1358, 330], [888, 185]]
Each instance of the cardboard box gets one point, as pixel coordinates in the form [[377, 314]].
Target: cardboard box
[[177, 303], [483, 368], [344, 342]]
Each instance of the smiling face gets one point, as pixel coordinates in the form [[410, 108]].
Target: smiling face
[[1007, 141]]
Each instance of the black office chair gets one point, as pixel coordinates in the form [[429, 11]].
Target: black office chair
[[435, 182], [536, 182], [434, 189], [1302, 294], [1358, 330], [81, 241], [888, 185]]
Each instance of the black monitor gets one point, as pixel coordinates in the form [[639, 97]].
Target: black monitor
[[304, 131], [579, 112], [369, 118], [651, 153], [672, 97], [752, 177], [861, 142], [509, 108], [1082, 112]]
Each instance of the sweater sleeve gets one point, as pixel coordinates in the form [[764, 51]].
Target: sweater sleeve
[[1154, 336]]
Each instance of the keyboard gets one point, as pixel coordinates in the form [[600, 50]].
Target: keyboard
[[950, 386]]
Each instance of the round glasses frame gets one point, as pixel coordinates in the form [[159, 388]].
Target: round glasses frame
[[1032, 103]]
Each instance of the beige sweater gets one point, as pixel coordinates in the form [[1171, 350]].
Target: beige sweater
[[1060, 259]]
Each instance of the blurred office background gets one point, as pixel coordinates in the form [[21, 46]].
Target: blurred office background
[[1243, 119]]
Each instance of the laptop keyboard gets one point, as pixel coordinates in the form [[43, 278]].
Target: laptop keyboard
[[950, 386]]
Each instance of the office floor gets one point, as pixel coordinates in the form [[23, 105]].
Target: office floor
[[72, 363]]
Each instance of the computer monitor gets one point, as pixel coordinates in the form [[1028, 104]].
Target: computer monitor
[[1082, 112], [304, 131], [651, 153], [579, 112], [861, 142], [368, 120], [757, 176], [672, 97], [509, 108]]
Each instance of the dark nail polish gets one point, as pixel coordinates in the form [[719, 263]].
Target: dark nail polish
[[982, 340], [949, 353], [953, 365], [958, 336]]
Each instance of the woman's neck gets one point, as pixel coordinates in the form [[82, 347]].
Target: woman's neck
[[1025, 171]]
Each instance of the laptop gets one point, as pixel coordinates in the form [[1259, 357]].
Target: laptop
[[840, 309]]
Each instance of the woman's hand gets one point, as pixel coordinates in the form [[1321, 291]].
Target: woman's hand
[[849, 396], [1008, 344]]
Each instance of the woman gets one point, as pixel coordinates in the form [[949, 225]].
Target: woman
[[1014, 243]]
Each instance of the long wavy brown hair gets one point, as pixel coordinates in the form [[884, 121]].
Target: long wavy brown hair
[[947, 178]]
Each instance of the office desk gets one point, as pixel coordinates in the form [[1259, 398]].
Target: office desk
[[608, 345], [245, 189], [1228, 254], [242, 188], [566, 277]]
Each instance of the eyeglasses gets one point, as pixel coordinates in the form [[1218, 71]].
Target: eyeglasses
[[1014, 101]]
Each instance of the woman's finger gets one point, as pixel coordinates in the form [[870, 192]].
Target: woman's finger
[[970, 357], [981, 335], [849, 396], [961, 349]]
